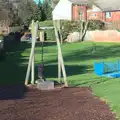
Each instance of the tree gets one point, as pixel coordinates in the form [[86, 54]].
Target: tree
[[40, 12], [53, 3], [26, 10], [23, 11], [17, 10], [47, 10], [83, 22], [7, 13]]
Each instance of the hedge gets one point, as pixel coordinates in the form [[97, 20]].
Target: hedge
[[70, 26]]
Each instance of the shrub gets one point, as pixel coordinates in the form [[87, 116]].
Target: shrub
[[96, 25], [74, 26], [70, 26]]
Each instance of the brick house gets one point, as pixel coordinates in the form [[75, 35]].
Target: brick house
[[68, 9], [106, 16], [104, 10], [76, 6], [99, 10]]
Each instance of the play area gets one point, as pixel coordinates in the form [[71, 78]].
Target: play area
[[60, 104], [50, 80], [44, 80], [46, 87], [79, 63]]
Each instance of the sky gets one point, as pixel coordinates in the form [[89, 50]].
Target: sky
[[38, 1]]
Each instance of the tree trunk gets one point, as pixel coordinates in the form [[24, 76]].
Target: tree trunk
[[84, 28]]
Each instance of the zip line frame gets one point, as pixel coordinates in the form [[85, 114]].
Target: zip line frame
[[61, 66]]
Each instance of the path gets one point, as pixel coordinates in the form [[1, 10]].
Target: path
[[61, 104]]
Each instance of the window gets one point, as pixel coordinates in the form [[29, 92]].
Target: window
[[94, 14], [108, 14]]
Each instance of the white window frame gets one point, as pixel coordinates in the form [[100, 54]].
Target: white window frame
[[94, 14], [108, 14]]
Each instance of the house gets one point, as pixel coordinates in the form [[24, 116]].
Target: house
[[69, 10], [98, 9], [77, 7], [105, 10]]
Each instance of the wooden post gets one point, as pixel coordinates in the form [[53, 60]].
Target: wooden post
[[61, 62], [31, 53], [59, 67], [32, 65], [42, 36], [59, 28], [61, 32]]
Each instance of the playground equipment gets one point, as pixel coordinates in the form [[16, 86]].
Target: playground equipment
[[107, 69], [58, 15], [34, 29]]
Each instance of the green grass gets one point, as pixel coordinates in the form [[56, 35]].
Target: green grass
[[79, 59], [46, 23], [50, 32]]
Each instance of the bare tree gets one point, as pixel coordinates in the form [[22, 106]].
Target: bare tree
[[7, 9], [83, 22]]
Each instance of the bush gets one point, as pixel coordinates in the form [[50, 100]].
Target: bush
[[96, 25], [50, 33], [74, 26], [70, 26]]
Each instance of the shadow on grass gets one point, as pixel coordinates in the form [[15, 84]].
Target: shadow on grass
[[13, 68], [81, 55], [101, 52], [88, 53], [89, 82], [12, 72], [46, 44], [51, 71]]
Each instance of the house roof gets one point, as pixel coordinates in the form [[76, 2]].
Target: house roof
[[83, 2], [108, 5], [104, 5]]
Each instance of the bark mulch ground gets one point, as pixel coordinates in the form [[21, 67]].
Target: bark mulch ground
[[60, 104]]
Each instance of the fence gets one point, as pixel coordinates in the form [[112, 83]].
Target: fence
[[105, 36]]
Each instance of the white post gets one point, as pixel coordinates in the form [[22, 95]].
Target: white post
[[32, 65], [60, 53], [59, 64], [59, 27], [31, 54], [59, 67]]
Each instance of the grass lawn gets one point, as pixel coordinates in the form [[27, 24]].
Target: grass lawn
[[79, 59]]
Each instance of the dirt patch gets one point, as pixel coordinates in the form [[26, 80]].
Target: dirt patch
[[60, 104]]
